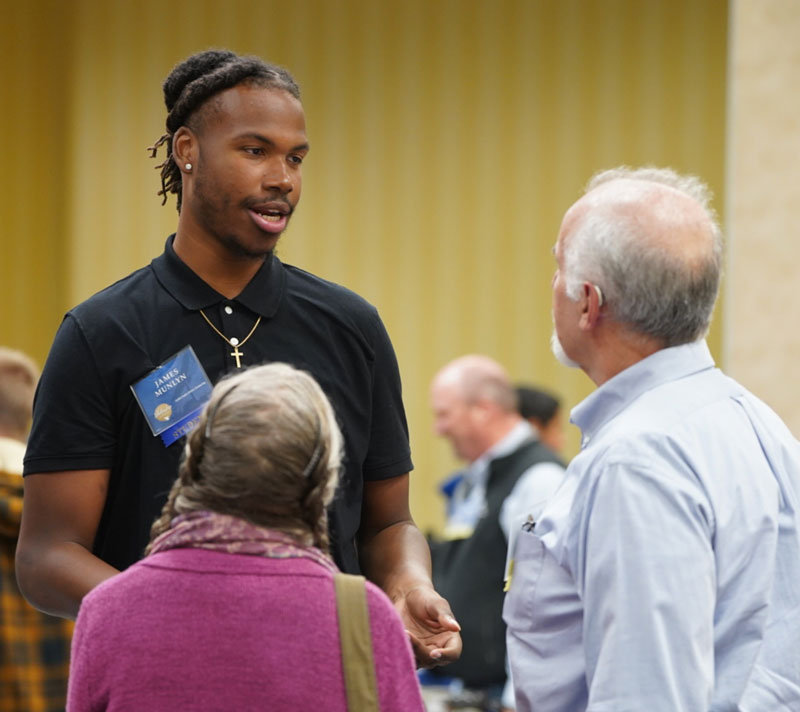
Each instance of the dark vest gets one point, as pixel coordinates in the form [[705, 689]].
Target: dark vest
[[469, 573]]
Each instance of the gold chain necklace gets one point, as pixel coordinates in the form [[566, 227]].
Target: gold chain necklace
[[233, 341]]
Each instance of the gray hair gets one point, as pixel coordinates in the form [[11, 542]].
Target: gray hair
[[267, 449], [656, 292]]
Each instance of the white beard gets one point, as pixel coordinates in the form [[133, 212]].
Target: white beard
[[559, 353]]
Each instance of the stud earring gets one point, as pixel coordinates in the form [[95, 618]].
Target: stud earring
[[188, 166]]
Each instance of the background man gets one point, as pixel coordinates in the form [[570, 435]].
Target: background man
[[663, 573], [96, 476], [475, 408], [34, 647]]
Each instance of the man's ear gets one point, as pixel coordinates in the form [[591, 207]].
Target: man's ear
[[591, 303], [481, 410], [184, 149]]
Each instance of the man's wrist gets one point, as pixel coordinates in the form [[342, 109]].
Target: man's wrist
[[400, 587]]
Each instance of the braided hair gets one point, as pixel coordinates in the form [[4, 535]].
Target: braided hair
[[267, 450], [193, 82]]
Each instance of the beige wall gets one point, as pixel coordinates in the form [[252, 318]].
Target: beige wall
[[34, 195], [448, 137], [762, 338]]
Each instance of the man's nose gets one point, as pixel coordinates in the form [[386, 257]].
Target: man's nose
[[277, 177]]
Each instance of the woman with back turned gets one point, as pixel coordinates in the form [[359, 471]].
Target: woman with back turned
[[234, 606]]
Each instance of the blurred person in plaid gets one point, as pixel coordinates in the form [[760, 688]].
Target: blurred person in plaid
[[34, 647]]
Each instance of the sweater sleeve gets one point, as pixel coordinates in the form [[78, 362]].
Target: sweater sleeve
[[398, 688], [80, 668]]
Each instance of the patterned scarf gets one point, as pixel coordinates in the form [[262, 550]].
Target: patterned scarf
[[223, 532]]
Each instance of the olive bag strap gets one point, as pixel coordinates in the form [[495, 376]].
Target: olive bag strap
[[356, 643]]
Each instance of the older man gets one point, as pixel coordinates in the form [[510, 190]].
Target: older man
[[664, 573]]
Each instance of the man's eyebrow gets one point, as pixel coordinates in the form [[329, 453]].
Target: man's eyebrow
[[269, 142]]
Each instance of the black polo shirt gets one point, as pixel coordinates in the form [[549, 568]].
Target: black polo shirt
[[85, 415]]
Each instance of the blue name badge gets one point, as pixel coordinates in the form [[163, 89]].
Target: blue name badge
[[173, 395]]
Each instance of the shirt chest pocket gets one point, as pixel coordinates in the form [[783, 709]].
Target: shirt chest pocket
[[542, 595], [527, 563]]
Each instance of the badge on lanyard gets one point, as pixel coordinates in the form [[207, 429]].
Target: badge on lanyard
[[172, 396]]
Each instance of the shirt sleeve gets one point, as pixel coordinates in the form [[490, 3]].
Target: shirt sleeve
[[73, 424], [388, 454], [645, 573], [508, 700]]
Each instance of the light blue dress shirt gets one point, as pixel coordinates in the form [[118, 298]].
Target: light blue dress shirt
[[664, 574]]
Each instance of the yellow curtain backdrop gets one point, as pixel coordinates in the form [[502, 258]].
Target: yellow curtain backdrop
[[34, 170], [448, 137]]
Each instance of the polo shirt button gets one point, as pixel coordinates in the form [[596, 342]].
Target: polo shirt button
[[228, 310]]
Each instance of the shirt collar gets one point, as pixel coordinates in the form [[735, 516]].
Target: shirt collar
[[521, 432], [617, 393], [478, 469], [262, 295]]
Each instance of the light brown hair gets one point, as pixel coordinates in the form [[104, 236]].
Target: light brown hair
[[268, 450]]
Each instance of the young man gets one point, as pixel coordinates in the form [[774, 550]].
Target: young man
[[662, 575], [120, 371]]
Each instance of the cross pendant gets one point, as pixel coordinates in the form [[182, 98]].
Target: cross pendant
[[237, 354]]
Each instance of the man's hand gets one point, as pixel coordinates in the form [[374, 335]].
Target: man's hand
[[395, 556], [432, 629]]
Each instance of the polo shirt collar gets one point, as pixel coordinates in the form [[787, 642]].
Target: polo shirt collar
[[262, 295], [616, 394]]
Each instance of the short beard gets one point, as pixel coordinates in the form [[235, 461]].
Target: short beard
[[559, 353], [236, 248]]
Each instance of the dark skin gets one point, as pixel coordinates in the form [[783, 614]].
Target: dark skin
[[241, 177], [55, 565], [394, 554]]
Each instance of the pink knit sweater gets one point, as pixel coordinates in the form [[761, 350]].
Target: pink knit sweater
[[189, 629]]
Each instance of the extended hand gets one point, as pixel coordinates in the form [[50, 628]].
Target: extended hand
[[433, 630]]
